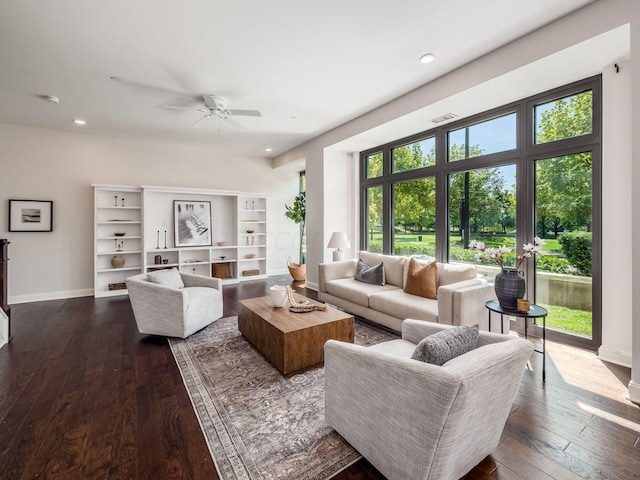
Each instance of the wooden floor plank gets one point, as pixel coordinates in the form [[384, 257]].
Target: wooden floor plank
[[83, 395]]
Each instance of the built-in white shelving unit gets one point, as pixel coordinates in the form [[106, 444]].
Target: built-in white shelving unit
[[238, 250], [117, 210], [233, 215]]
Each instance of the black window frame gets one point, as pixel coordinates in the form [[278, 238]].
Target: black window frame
[[524, 157]]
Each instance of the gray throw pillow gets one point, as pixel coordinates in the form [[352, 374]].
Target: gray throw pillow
[[168, 278], [373, 275], [441, 347]]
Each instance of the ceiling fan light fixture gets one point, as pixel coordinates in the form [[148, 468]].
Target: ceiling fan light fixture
[[427, 58]]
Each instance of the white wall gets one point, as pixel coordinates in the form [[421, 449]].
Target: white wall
[[42, 164], [616, 220]]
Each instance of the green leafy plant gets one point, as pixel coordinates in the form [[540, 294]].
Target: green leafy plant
[[576, 246], [298, 213]]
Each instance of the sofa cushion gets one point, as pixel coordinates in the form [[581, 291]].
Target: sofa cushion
[[399, 304], [422, 280], [354, 291], [455, 272], [441, 347], [168, 278], [373, 275], [393, 266]]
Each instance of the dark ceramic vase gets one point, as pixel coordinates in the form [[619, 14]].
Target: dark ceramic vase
[[509, 286]]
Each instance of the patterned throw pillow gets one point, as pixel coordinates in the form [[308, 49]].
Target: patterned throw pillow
[[168, 278], [373, 275], [422, 280], [441, 347]]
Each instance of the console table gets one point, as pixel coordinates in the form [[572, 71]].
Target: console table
[[536, 311]]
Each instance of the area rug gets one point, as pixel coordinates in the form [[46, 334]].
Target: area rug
[[259, 424]]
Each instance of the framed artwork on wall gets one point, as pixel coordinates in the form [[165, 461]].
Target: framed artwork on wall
[[30, 216], [192, 222]]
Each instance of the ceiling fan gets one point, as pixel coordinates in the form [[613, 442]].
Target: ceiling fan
[[215, 106]]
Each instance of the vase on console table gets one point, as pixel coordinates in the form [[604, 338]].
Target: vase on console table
[[509, 286]]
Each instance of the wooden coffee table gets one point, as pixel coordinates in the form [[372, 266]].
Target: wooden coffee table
[[291, 341]]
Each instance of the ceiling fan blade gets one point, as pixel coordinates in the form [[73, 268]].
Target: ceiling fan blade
[[246, 113], [195, 124], [175, 107], [231, 121]]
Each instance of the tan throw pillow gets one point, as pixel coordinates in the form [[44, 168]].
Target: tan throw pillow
[[422, 281]]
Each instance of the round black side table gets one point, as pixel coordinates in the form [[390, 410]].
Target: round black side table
[[536, 311]]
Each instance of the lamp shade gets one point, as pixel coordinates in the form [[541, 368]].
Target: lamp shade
[[339, 240]]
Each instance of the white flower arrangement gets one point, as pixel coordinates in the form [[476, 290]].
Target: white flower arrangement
[[496, 255]]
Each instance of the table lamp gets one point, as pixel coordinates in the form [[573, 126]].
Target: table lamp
[[338, 241]]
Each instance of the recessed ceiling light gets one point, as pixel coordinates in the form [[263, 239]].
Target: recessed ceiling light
[[268, 149], [115, 79], [427, 58], [79, 121]]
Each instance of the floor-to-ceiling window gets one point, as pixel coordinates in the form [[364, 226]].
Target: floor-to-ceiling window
[[530, 168]]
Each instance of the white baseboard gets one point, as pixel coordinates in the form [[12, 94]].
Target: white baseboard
[[612, 355], [39, 297], [634, 392], [282, 271], [4, 328]]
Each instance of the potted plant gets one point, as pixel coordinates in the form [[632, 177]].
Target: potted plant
[[298, 212]]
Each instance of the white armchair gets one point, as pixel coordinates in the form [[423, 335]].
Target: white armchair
[[175, 312], [415, 420]]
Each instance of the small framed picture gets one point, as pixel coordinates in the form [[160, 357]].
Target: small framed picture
[[192, 221], [30, 216]]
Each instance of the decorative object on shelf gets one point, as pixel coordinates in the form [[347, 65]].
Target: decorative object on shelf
[[123, 201], [165, 239], [338, 241], [249, 273], [30, 215], [222, 257], [193, 260], [509, 284], [253, 205], [119, 234], [222, 244], [119, 245], [192, 223], [298, 213], [250, 255], [297, 271], [117, 286], [157, 260], [193, 270], [115, 200], [278, 296], [117, 261], [250, 231], [306, 306], [220, 270], [158, 240], [165, 260]]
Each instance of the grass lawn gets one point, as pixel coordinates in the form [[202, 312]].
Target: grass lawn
[[569, 320]]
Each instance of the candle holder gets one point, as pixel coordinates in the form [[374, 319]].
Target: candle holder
[[115, 200], [165, 239]]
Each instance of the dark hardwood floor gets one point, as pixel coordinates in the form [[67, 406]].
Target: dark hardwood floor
[[84, 396]]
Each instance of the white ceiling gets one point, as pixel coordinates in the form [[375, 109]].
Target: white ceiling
[[308, 66]]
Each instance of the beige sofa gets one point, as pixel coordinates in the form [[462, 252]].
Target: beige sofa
[[461, 294]]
